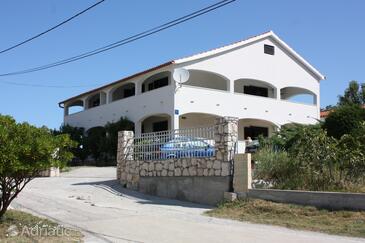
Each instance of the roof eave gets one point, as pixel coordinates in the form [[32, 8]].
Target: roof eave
[[118, 81]]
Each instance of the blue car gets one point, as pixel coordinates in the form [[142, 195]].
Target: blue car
[[186, 147]]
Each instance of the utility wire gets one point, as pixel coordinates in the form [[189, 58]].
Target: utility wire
[[126, 40], [45, 86], [49, 30]]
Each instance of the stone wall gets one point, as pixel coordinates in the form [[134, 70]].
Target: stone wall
[[130, 171], [51, 172], [329, 200]]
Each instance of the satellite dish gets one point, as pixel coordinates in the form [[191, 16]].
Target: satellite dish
[[181, 75]]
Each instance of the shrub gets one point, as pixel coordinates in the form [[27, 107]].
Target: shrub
[[312, 160], [343, 120], [100, 143], [25, 151]]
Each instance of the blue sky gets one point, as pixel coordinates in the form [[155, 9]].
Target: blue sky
[[329, 34]]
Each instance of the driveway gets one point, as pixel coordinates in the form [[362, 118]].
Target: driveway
[[90, 199]]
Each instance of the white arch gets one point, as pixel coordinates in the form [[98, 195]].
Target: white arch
[[255, 122], [122, 91], [75, 103], [95, 99], [146, 124], [196, 119], [150, 83], [208, 79], [241, 84], [286, 93]]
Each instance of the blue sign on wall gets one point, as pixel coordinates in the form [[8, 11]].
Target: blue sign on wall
[[176, 112]]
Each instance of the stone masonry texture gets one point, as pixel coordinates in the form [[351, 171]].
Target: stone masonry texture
[[129, 171]]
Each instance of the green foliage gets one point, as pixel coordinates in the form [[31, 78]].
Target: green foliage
[[77, 135], [25, 151], [344, 119], [354, 94], [96, 142], [276, 168], [306, 158], [100, 143], [112, 130]]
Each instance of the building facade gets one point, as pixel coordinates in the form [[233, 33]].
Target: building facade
[[254, 80]]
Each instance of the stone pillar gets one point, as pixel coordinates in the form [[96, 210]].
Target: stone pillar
[[124, 154], [242, 177], [226, 138]]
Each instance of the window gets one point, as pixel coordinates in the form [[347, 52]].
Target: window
[[254, 132], [269, 49], [254, 90], [95, 103], [128, 92], [158, 83], [160, 126]]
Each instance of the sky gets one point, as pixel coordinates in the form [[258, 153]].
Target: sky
[[329, 34]]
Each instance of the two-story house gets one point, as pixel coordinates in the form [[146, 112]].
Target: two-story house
[[254, 80]]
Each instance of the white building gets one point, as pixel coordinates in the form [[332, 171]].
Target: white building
[[253, 80]]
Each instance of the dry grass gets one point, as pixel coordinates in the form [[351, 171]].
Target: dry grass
[[347, 223], [24, 222]]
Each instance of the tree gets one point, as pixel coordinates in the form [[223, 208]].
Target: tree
[[112, 130], [354, 94], [25, 151], [96, 143], [77, 134], [344, 119]]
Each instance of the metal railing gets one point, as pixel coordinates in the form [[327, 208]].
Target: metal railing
[[180, 143]]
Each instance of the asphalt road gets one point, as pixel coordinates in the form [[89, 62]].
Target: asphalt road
[[90, 200]]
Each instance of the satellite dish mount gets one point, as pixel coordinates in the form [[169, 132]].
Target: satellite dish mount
[[181, 76]]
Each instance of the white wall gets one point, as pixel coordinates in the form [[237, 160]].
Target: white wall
[[223, 103], [244, 63], [134, 108], [193, 120], [253, 122], [251, 62]]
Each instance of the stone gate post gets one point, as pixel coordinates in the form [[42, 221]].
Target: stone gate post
[[226, 137], [124, 154]]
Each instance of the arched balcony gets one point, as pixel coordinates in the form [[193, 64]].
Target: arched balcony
[[255, 87], [95, 100], [74, 107], [253, 128], [205, 79], [156, 81], [193, 120], [298, 94], [155, 123], [122, 92]]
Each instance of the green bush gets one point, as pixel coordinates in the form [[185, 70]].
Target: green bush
[[100, 143], [77, 135], [276, 168], [25, 151], [344, 119], [309, 159]]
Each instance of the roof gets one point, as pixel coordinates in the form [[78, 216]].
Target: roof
[[118, 81], [215, 52], [325, 113]]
